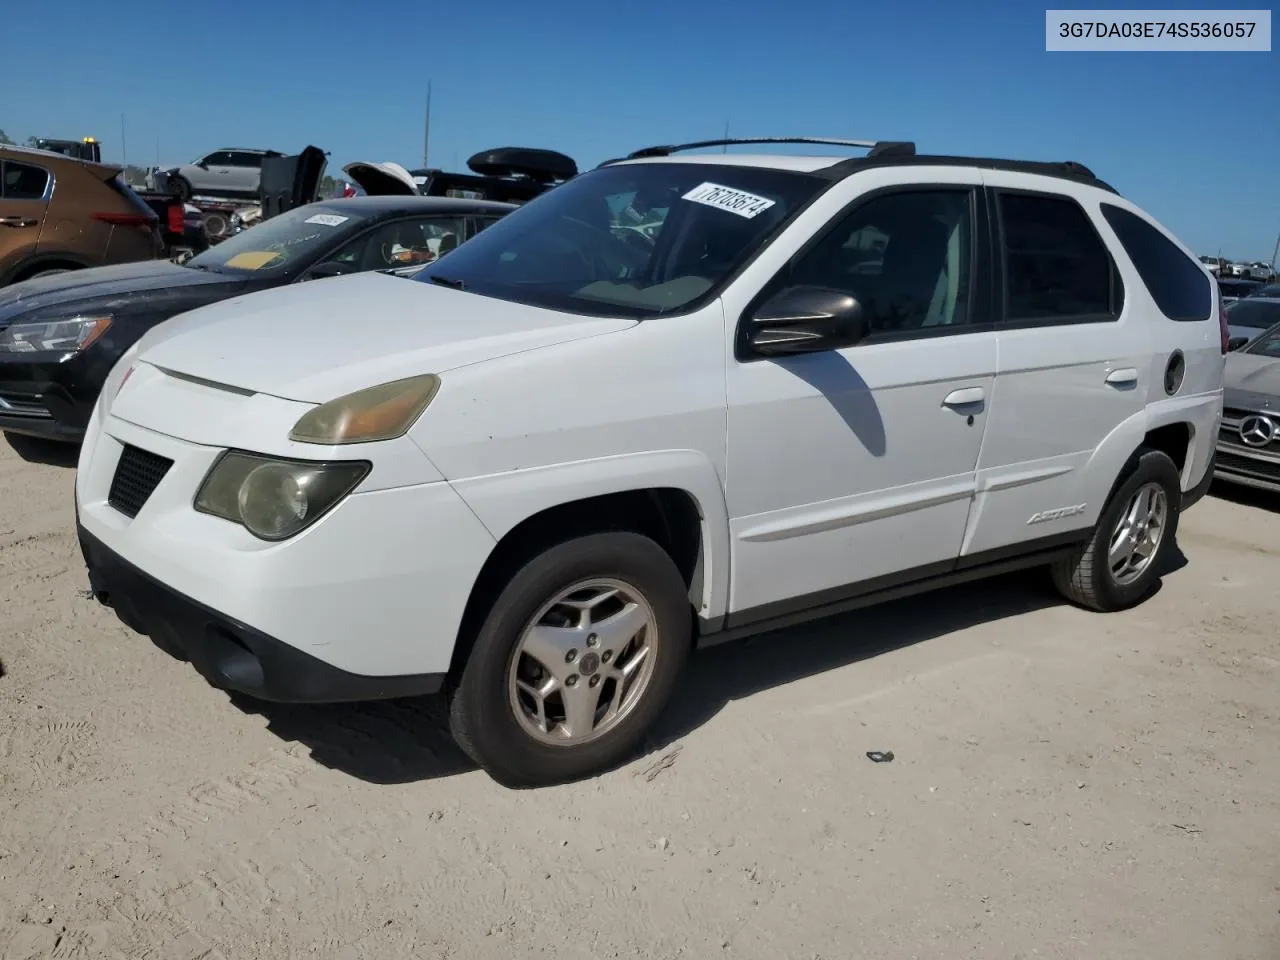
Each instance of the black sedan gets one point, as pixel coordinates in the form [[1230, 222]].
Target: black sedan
[[61, 335]]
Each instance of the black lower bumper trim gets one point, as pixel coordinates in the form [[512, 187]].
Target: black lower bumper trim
[[229, 654], [1193, 496]]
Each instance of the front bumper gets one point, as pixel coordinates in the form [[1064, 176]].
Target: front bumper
[[42, 395], [1237, 463], [229, 654], [42, 408]]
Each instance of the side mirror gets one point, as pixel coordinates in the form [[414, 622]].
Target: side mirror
[[1235, 343], [330, 268], [806, 319]]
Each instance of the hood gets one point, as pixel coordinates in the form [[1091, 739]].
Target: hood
[[106, 286], [322, 339], [382, 179], [1251, 381]]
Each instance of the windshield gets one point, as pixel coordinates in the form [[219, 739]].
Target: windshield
[[281, 244], [1255, 314], [630, 240], [1268, 344]]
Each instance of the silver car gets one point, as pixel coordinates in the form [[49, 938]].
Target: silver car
[[234, 172], [1249, 441], [1249, 316]]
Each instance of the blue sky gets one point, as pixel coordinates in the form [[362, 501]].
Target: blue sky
[[595, 80]]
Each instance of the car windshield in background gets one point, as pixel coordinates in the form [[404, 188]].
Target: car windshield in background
[[284, 242], [1271, 291], [632, 240], [1268, 344], [1254, 314], [1238, 288]]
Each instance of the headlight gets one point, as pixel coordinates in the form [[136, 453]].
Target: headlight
[[383, 412], [275, 499], [53, 336]]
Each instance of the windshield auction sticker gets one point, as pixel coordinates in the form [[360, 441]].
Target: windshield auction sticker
[[726, 198], [253, 259], [327, 219]]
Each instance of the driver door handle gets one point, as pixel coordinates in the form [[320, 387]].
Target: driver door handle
[[964, 397], [18, 221]]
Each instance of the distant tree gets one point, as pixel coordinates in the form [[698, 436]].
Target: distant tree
[[4, 138]]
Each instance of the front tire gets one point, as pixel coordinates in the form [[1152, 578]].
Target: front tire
[[574, 662], [180, 188], [1120, 564]]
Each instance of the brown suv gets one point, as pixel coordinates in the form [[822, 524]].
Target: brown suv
[[59, 213]]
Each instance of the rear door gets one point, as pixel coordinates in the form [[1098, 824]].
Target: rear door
[[1073, 366], [25, 190], [246, 171]]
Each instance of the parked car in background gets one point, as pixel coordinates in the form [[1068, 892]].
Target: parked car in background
[[1258, 270], [540, 472], [1213, 264], [1270, 290], [1233, 288], [1248, 317], [1249, 440], [227, 172], [60, 336], [60, 213]]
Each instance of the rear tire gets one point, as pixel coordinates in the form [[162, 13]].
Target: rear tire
[[1120, 564], [535, 658]]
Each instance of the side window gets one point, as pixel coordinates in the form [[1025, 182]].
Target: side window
[[402, 243], [219, 158], [240, 159], [22, 181], [904, 256], [1056, 266], [483, 223], [1176, 283]]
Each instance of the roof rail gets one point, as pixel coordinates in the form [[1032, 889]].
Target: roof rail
[[877, 147]]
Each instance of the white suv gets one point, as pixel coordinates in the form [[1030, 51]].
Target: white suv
[[540, 473]]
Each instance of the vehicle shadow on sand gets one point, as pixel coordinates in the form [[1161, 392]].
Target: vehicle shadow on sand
[[402, 741], [49, 452]]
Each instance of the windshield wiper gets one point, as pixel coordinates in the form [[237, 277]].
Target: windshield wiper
[[447, 282]]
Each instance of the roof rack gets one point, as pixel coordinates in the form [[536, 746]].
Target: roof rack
[[878, 148], [1065, 169]]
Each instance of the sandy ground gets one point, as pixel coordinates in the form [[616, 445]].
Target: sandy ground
[[1065, 785]]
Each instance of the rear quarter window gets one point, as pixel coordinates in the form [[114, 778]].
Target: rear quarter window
[[1176, 282]]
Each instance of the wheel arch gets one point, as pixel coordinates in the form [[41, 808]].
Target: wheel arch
[[1171, 426], [43, 261], [675, 497]]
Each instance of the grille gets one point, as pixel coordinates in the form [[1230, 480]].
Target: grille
[[1262, 469], [137, 475]]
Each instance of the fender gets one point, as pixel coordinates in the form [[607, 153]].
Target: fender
[[501, 501], [1104, 466], [1203, 411]]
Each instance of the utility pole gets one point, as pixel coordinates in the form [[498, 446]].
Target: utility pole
[[426, 130], [1275, 253], [124, 154]]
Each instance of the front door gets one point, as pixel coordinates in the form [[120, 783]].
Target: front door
[[24, 198], [855, 468]]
